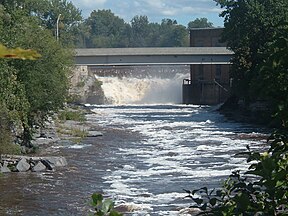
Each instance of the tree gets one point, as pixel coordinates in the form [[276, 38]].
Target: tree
[[154, 37], [32, 90], [47, 12], [250, 28], [172, 34], [105, 29], [69, 20], [200, 23], [275, 67], [139, 31]]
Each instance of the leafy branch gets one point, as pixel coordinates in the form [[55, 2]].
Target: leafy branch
[[103, 207]]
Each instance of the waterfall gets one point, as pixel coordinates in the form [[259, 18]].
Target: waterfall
[[144, 90]]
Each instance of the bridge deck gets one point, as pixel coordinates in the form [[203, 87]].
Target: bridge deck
[[151, 55]]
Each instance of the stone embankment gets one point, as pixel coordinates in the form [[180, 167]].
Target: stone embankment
[[14, 163]]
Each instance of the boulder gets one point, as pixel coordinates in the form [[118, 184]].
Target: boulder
[[23, 165], [128, 207], [18, 163], [57, 161], [189, 211], [39, 167], [4, 168], [47, 164], [94, 134]]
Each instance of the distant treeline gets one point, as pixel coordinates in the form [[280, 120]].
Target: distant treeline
[[103, 29]]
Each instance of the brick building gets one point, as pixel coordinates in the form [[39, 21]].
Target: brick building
[[208, 83]]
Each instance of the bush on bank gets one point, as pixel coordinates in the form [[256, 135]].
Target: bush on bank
[[262, 190]]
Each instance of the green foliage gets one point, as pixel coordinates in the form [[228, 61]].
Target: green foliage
[[81, 133], [47, 12], [68, 114], [6, 144], [200, 23], [139, 31], [172, 34], [262, 190], [103, 207], [31, 90], [250, 28], [71, 133], [73, 98], [275, 67], [103, 29]]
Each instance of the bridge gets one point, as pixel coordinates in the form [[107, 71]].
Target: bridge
[[152, 56]]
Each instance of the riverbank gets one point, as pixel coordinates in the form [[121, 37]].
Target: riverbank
[[69, 127], [257, 113]]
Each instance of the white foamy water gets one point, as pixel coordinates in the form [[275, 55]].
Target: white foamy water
[[179, 147], [133, 90]]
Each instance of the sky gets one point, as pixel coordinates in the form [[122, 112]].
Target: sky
[[183, 11]]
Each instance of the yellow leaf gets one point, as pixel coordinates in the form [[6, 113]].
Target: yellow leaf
[[18, 53]]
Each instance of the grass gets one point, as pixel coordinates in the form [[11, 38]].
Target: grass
[[68, 114], [74, 134], [9, 148], [71, 131]]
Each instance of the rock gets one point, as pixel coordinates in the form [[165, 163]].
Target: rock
[[23, 149], [18, 163], [4, 168], [190, 211], [43, 141], [57, 161], [128, 207], [39, 167], [23, 165], [94, 134], [47, 164]]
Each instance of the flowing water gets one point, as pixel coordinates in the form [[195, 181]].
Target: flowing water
[[149, 153]]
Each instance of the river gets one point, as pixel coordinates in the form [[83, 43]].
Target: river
[[147, 155]]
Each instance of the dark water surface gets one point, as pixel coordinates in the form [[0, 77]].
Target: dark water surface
[[145, 159]]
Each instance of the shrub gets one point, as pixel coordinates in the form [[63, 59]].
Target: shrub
[[75, 115], [6, 144], [103, 206], [262, 190]]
